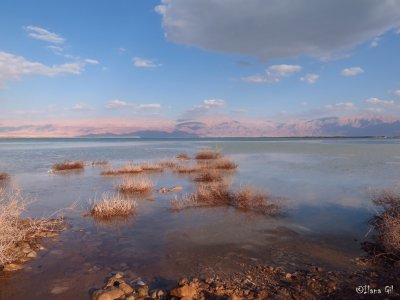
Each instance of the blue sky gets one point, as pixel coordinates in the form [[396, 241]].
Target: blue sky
[[191, 59]]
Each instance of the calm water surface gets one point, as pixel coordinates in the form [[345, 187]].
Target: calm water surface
[[325, 184]]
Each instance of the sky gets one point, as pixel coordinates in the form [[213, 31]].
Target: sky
[[152, 63]]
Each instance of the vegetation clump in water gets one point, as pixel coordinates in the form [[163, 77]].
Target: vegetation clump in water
[[19, 236], [127, 169], [112, 205], [4, 176], [387, 226], [136, 185], [69, 165], [246, 199]]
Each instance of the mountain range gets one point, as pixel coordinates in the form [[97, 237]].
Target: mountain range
[[225, 127]]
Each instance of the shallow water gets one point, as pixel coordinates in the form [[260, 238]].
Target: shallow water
[[325, 185]]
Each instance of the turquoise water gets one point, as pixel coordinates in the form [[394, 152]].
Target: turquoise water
[[325, 187]]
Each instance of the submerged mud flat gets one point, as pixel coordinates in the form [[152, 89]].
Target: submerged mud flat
[[160, 245]]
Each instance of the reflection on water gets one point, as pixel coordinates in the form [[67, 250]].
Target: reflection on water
[[325, 184]]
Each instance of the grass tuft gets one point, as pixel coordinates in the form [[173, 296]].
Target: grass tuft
[[4, 176], [14, 229], [136, 185], [68, 165], [246, 199], [168, 163], [127, 169], [112, 205], [183, 156], [224, 164], [208, 175], [187, 169], [100, 163], [152, 167], [208, 154], [387, 222]]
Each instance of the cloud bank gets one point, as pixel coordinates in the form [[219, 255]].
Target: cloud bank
[[270, 29]]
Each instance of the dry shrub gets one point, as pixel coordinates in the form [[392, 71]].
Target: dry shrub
[[208, 175], [14, 229], [188, 169], [127, 169], [183, 156], [68, 165], [112, 205], [136, 185], [208, 154], [387, 222], [219, 195], [152, 167], [168, 163], [4, 176], [224, 164], [253, 200], [100, 163]]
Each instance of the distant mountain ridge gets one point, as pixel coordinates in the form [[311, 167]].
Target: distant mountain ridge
[[225, 127]]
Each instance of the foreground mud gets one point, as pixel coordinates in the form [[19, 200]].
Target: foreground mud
[[261, 282]]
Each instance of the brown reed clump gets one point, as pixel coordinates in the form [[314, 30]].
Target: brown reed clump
[[4, 176], [183, 156], [68, 165], [112, 205], [224, 164], [246, 199], [387, 223], [187, 169], [249, 199], [14, 229], [127, 169], [100, 163], [136, 185], [168, 163], [208, 175], [208, 154], [152, 167]]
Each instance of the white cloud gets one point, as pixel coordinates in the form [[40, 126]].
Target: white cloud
[[149, 106], [207, 106], [340, 106], [55, 49], [375, 109], [209, 103], [310, 78], [42, 34], [353, 71], [161, 9], [144, 63], [82, 107], [377, 101], [12, 67], [92, 61], [375, 42], [270, 29], [396, 93], [273, 74], [114, 104]]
